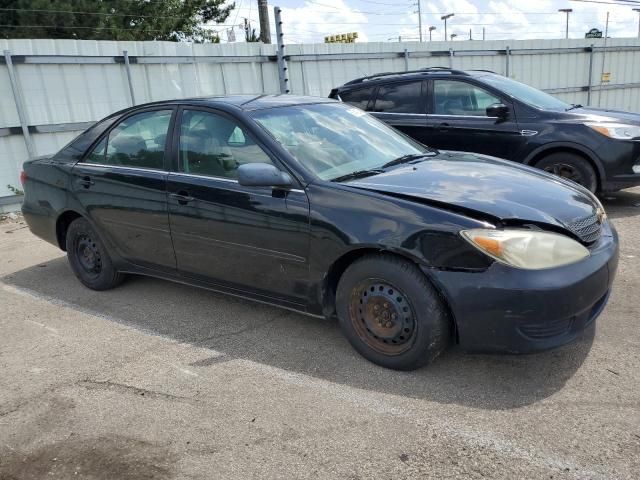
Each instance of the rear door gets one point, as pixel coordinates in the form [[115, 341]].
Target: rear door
[[403, 106], [457, 120], [249, 238], [121, 184]]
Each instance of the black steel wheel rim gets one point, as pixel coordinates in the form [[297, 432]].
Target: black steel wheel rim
[[567, 171], [88, 256], [382, 317]]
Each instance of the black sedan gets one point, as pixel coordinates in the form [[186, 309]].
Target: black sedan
[[316, 206], [480, 111]]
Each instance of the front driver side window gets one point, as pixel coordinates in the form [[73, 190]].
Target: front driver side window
[[451, 97], [215, 145], [137, 141]]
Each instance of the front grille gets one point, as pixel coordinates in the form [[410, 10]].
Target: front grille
[[588, 229]]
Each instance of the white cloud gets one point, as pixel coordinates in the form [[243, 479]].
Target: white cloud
[[308, 21]]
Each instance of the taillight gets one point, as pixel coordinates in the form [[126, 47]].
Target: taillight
[[23, 177]]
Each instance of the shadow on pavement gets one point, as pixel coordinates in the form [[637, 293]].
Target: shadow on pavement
[[247, 330]]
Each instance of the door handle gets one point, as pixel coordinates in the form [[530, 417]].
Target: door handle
[[85, 181], [182, 197], [443, 127]]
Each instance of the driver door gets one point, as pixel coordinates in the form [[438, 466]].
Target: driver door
[[252, 239], [457, 120]]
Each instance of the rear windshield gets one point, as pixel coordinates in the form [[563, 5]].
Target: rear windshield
[[76, 148], [525, 93]]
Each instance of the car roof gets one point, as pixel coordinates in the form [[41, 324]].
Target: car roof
[[247, 102], [422, 73]]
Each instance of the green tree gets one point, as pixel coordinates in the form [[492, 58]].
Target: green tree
[[174, 20]]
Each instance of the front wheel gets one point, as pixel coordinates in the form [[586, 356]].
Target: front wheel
[[89, 258], [391, 314], [572, 167]]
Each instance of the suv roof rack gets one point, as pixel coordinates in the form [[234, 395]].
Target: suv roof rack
[[421, 70]]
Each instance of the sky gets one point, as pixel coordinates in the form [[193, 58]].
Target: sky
[[309, 21]]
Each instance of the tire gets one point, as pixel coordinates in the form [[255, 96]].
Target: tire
[[391, 314], [89, 258], [571, 167]]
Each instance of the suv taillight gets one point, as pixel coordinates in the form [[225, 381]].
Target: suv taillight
[[23, 178]]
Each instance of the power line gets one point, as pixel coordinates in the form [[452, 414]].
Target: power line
[[80, 28], [102, 14], [626, 3]]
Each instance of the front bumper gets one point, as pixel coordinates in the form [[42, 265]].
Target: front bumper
[[510, 310], [618, 182]]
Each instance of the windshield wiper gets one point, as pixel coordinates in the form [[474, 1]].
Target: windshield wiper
[[409, 158], [573, 107], [357, 174]]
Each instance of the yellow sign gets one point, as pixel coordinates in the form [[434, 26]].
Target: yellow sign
[[342, 38], [606, 77]]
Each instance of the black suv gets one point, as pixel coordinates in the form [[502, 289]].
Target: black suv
[[480, 111]]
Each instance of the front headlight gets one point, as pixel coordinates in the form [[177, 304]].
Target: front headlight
[[526, 249], [618, 131]]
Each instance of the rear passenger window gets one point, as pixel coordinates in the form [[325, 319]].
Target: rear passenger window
[[214, 145], [400, 98], [358, 98], [137, 141]]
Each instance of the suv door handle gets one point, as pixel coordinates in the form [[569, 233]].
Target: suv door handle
[[182, 197], [443, 127], [85, 181]]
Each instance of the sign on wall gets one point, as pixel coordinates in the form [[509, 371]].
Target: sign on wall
[[593, 33], [342, 38]]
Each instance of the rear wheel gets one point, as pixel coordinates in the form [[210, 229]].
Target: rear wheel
[[391, 314], [572, 167], [89, 258]]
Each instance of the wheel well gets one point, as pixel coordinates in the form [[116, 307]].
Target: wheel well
[[550, 151], [338, 267], [62, 225]]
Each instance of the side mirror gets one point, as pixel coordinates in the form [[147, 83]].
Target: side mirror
[[263, 175], [498, 110]]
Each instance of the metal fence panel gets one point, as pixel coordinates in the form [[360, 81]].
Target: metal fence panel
[[69, 81]]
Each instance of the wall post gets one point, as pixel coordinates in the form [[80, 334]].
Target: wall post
[[17, 98]]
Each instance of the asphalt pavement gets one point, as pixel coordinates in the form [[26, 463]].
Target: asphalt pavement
[[164, 381]]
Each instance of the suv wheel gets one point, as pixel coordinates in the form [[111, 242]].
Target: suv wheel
[[572, 167]]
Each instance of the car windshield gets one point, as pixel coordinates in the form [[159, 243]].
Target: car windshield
[[333, 139], [525, 93]]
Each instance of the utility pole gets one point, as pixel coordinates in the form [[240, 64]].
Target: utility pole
[[482, 33], [470, 38], [445, 17], [420, 18], [431, 29], [567, 11], [637, 10], [263, 15]]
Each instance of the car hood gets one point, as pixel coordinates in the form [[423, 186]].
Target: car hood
[[487, 186], [602, 115]]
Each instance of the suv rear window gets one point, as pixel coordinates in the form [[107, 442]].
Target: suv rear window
[[358, 98], [400, 98]]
